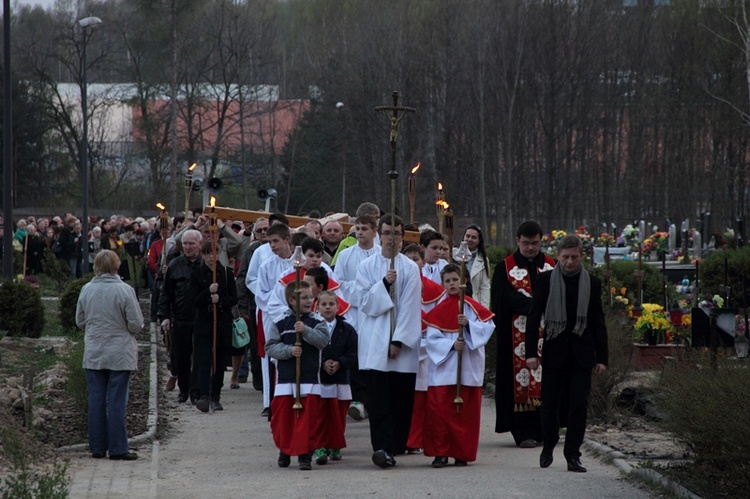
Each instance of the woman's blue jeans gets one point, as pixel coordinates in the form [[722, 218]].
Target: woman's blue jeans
[[108, 396]]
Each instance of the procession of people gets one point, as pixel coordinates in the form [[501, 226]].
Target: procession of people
[[389, 332]]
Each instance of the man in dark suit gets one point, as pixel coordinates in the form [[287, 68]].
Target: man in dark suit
[[575, 344]]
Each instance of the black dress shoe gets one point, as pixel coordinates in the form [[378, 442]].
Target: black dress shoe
[[440, 462], [128, 456], [98, 455], [460, 462], [182, 397], [545, 460], [266, 412], [576, 466], [284, 460]]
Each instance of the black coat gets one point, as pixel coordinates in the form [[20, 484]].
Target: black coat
[[504, 302], [586, 350], [200, 281], [175, 299], [343, 349]]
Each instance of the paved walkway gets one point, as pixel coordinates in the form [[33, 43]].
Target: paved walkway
[[231, 453]]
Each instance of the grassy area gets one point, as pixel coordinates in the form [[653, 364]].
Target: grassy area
[[52, 326]]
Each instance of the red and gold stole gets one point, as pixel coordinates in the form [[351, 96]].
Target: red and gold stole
[[527, 385]]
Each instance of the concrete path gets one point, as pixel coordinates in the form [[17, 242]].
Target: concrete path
[[231, 454]]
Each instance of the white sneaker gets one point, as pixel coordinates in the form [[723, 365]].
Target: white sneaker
[[357, 411]]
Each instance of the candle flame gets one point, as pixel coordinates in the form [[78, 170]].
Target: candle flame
[[416, 167], [192, 167], [446, 206], [213, 201], [442, 204], [440, 186], [161, 206]]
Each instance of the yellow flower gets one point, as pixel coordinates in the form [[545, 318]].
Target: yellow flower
[[650, 308]]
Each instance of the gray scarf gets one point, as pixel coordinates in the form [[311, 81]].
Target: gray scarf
[[555, 315]]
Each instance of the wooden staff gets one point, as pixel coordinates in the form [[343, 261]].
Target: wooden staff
[[25, 252], [462, 255], [299, 260], [163, 226], [212, 229]]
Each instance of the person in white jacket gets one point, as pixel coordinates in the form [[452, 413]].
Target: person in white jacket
[[109, 314], [390, 362]]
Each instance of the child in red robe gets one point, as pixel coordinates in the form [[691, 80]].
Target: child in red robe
[[339, 357], [293, 429], [451, 429]]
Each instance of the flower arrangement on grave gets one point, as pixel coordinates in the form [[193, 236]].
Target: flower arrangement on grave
[[658, 242], [654, 323], [682, 332], [587, 239], [551, 240], [630, 236], [740, 328], [709, 301], [605, 239]]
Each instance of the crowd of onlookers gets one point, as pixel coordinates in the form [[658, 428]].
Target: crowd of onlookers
[[62, 235]]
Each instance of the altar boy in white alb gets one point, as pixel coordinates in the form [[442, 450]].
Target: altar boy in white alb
[[450, 429], [390, 364]]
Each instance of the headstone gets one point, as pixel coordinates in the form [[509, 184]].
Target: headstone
[[642, 230], [684, 235], [697, 245], [672, 237]]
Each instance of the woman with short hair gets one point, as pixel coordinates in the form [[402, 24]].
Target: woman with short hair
[[110, 315]]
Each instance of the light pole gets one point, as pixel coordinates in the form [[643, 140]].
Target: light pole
[[340, 107], [85, 23], [7, 146]]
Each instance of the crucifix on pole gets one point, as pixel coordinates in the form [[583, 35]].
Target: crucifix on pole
[[396, 113]]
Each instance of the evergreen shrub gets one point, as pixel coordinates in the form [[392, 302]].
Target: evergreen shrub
[[69, 301], [738, 265], [21, 310]]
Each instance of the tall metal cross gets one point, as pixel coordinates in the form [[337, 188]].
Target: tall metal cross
[[396, 114]]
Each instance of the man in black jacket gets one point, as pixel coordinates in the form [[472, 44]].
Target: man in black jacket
[[176, 311], [575, 343]]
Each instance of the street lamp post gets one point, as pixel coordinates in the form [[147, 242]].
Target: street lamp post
[[85, 23], [340, 107]]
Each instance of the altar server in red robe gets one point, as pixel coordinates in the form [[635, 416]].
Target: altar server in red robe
[[452, 430]]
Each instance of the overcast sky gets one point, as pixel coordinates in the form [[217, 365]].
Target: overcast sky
[[44, 3]]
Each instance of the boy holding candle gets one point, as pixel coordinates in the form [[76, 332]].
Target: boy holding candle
[[293, 429]]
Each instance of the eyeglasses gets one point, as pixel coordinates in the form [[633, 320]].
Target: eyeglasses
[[258, 231], [388, 233], [530, 244]]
